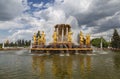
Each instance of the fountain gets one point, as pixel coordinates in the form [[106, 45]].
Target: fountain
[[62, 42]]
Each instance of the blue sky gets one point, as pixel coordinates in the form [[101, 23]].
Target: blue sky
[[21, 18], [39, 1]]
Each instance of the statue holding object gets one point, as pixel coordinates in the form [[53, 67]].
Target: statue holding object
[[69, 38], [88, 40], [43, 40], [54, 37], [39, 40], [81, 39], [34, 38]]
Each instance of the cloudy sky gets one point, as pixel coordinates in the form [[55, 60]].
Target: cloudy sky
[[21, 18]]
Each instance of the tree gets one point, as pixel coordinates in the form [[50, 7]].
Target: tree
[[115, 41], [23, 43], [19, 42], [15, 44], [96, 42], [11, 44], [29, 43], [0, 45]]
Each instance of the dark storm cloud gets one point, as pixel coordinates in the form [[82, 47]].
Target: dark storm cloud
[[111, 23], [9, 9], [100, 9]]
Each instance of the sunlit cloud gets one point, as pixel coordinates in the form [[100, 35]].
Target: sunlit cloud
[[21, 18]]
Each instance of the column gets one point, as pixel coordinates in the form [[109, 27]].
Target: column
[[62, 33], [66, 33], [57, 34]]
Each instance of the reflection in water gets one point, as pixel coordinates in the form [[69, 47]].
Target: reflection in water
[[117, 61], [85, 65], [61, 67], [82, 66], [38, 65]]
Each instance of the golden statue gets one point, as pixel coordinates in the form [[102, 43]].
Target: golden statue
[[54, 37], [43, 40], [39, 40], [69, 39], [88, 39], [34, 38], [81, 38]]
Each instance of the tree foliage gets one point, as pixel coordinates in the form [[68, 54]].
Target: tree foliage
[[97, 41], [115, 41], [19, 43], [0, 45]]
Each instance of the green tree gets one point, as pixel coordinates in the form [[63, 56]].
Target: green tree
[[115, 41], [97, 41], [11, 44], [29, 42], [23, 43], [15, 44], [0, 45]]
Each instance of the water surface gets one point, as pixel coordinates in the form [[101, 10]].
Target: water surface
[[23, 65]]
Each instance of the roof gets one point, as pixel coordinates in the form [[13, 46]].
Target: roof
[[62, 25]]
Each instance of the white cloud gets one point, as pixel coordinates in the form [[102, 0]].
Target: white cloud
[[71, 7], [38, 5], [9, 9], [25, 4], [21, 34], [10, 25], [51, 15], [85, 15]]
